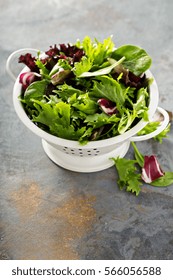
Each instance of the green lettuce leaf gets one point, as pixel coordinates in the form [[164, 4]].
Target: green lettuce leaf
[[83, 66], [98, 120], [139, 110], [140, 107], [66, 91], [57, 119], [43, 70], [126, 120], [152, 126], [84, 103], [110, 89], [95, 50]]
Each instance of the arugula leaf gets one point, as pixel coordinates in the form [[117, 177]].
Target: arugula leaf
[[128, 178], [137, 60]]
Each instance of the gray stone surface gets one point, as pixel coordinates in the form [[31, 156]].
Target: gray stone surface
[[47, 212]]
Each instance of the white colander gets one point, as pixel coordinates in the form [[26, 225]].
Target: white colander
[[96, 155]]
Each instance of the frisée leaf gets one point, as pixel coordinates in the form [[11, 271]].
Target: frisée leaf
[[128, 177]]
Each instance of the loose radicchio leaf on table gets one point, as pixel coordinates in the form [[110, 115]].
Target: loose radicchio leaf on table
[[151, 169]]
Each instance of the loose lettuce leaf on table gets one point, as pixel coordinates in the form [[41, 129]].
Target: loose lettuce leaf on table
[[128, 178]]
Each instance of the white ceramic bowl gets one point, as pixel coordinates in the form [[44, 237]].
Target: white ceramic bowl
[[94, 156]]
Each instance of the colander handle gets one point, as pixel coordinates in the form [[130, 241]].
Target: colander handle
[[11, 58], [160, 128]]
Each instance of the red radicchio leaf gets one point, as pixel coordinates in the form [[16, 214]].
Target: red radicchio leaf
[[53, 51], [107, 106], [130, 79], [26, 79], [65, 51], [29, 61], [151, 170]]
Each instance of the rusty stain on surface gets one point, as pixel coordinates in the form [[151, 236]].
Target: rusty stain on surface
[[27, 200], [49, 229], [78, 213], [77, 216]]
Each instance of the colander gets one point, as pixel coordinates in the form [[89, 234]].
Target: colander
[[95, 155]]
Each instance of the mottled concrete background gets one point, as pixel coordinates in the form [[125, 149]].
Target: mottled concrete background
[[47, 212]]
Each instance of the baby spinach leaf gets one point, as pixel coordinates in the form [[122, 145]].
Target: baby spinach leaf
[[137, 60], [36, 90], [163, 181]]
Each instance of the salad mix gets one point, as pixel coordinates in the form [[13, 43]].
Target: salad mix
[[91, 91], [88, 90]]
